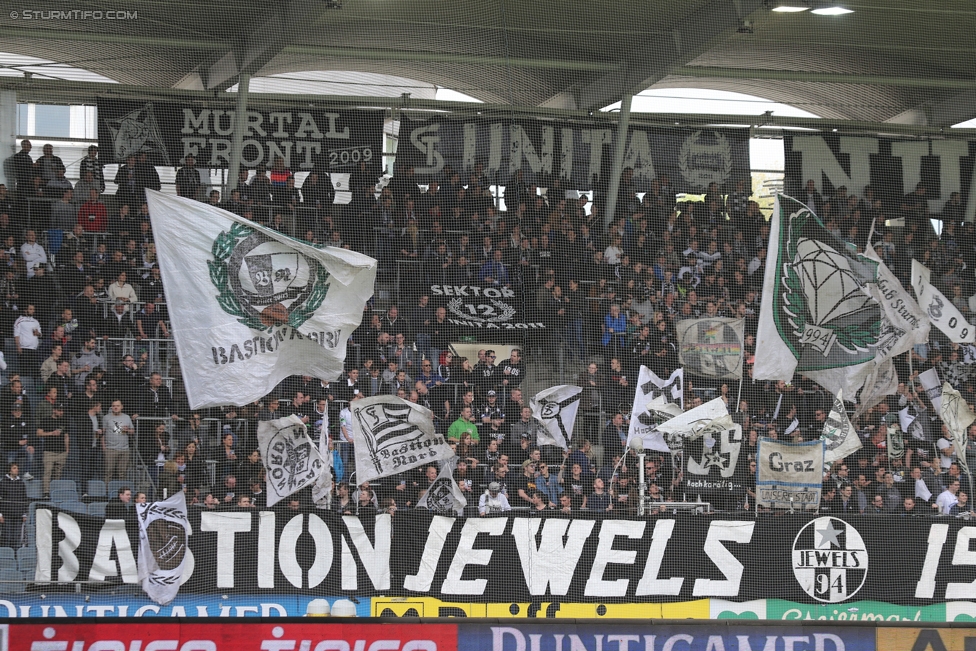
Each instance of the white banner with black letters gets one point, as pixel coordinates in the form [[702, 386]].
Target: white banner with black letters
[[789, 475], [391, 435], [290, 458], [163, 533], [941, 312]]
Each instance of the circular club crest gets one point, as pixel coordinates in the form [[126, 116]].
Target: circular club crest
[[167, 542], [265, 283], [830, 560], [705, 157]]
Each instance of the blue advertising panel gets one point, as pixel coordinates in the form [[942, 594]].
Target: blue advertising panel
[[649, 637], [188, 605]]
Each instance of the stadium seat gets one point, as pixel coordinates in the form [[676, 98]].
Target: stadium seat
[[97, 509], [74, 506], [7, 553], [34, 489], [63, 484], [26, 558], [64, 495], [8, 564], [115, 485], [11, 581], [97, 488]]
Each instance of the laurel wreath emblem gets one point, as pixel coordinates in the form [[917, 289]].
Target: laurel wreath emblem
[[221, 251], [507, 311]]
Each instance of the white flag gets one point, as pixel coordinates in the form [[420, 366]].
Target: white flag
[[818, 317], [649, 385], [664, 409], [911, 424], [391, 435], [291, 460], [322, 488], [839, 435], [163, 533], [933, 388], [940, 311], [711, 347], [444, 495], [250, 306], [709, 418], [556, 408], [882, 382], [957, 416], [904, 324]]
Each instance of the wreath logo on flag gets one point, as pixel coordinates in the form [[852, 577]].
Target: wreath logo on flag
[[264, 283]]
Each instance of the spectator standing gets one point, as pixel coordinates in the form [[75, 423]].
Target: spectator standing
[[117, 428], [188, 183], [53, 431], [27, 336]]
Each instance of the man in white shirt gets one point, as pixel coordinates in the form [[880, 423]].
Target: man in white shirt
[[946, 448], [33, 253], [27, 335], [493, 500], [947, 498]]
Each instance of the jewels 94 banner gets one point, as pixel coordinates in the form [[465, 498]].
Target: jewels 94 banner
[[584, 558]]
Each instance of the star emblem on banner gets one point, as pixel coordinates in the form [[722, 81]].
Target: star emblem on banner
[[826, 534], [714, 459]]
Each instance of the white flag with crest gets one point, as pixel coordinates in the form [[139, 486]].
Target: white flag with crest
[[391, 435], [839, 436], [251, 306], [163, 533], [556, 408], [444, 496], [291, 460]]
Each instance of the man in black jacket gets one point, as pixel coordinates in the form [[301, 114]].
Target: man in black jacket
[[14, 495]]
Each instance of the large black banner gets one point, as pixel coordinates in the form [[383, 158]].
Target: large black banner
[[478, 310], [900, 560], [578, 154], [332, 139], [892, 167]]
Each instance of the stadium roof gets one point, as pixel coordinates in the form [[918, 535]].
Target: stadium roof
[[898, 61]]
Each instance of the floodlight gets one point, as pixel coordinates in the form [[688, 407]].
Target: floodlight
[[833, 10]]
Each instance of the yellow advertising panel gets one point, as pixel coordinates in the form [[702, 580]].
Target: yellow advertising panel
[[928, 639], [430, 607]]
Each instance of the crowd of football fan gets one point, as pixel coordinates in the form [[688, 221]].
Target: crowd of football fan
[[81, 286]]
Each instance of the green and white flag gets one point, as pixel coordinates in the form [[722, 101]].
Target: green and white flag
[[250, 306], [817, 318]]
